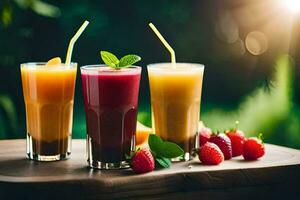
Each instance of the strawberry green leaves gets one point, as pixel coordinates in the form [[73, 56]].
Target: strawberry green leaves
[[112, 61], [164, 151]]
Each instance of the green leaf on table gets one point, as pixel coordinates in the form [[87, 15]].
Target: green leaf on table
[[164, 149], [171, 150], [163, 162], [155, 144], [129, 60], [109, 59]]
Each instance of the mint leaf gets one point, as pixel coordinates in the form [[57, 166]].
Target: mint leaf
[[164, 149], [109, 59], [129, 60], [155, 143], [164, 162], [112, 60], [171, 150]]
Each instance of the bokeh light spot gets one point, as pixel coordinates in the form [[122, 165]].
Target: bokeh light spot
[[292, 5], [226, 29], [256, 43]]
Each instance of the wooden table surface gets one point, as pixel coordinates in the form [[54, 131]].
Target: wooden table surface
[[275, 176]]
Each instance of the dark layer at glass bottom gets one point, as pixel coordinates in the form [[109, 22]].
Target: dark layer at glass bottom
[[48, 151], [108, 157]]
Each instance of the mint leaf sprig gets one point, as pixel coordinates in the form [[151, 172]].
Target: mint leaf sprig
[[163, 150], [112, 61]]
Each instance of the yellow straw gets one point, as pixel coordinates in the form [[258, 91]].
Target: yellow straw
[[73, 40], [162, 39]]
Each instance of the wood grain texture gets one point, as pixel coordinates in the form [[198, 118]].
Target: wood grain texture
[[275, 176]]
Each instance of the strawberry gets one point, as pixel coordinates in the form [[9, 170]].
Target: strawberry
[[253, 148], [143, 161], [210, 154], [205, 134], [237, 138], [224, 143]]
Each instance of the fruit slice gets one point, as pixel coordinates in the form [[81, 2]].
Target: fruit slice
[[54, 61], [142, 133]]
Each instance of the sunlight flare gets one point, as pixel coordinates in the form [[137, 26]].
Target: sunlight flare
[[292, 5]]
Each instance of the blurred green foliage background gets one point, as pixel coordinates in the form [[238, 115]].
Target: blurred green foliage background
[[249, 49]]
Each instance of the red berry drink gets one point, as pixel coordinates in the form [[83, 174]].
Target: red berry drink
[[111, 102]]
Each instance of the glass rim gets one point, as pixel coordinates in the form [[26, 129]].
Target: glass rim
[[192, 65], [105, 69], [93, 66], [42, 64]]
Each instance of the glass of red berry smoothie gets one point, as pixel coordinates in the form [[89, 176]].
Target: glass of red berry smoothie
[[111, 106]]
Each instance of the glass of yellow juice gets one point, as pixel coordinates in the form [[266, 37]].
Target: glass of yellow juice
[[49, 97], [175, 91]]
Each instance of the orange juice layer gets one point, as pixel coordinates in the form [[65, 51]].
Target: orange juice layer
[[175, 101], [49, 97]]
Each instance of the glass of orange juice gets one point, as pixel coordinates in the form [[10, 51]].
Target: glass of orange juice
[[49, 97], [175, 91]]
